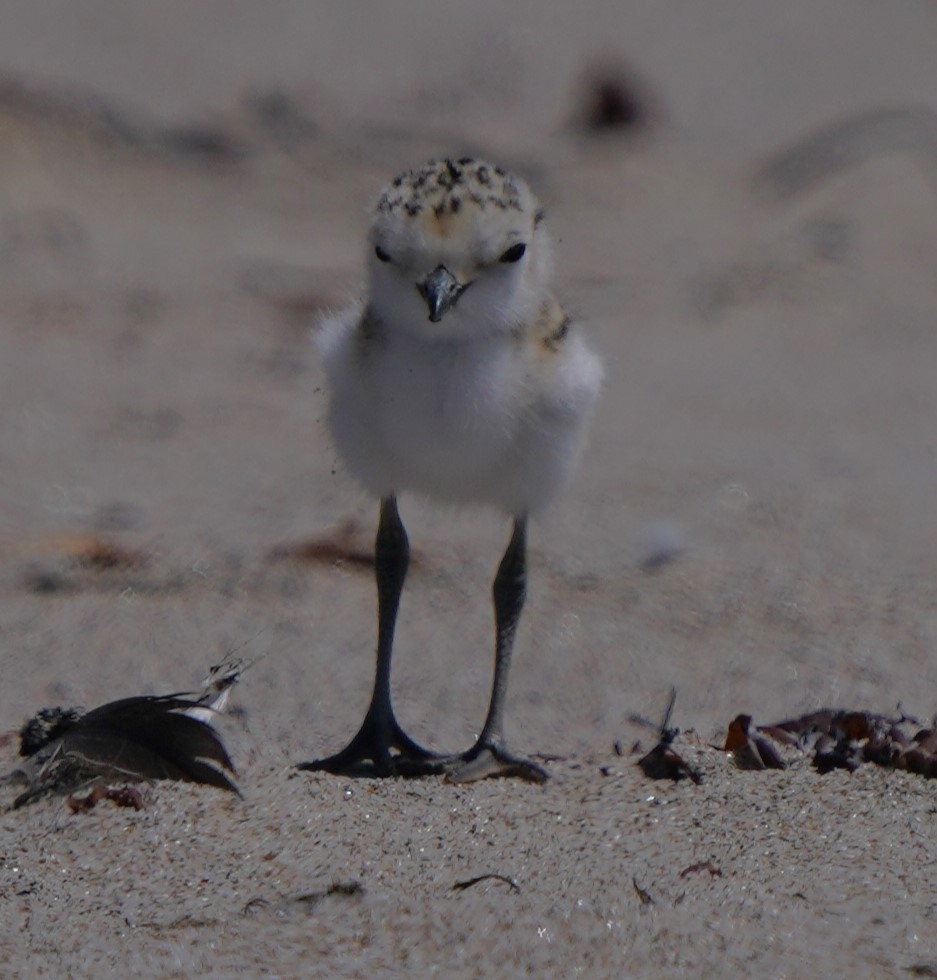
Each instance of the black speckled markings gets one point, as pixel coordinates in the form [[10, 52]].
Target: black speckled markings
[[446, 185]]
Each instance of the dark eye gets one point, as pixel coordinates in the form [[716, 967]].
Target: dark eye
[[514, 254], [381, 254]]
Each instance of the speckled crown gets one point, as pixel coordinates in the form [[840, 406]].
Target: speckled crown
[[447, 185]]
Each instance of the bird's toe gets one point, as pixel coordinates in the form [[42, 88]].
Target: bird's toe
[[494, 761]]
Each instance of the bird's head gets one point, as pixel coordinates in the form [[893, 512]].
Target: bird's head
[[457, 250]]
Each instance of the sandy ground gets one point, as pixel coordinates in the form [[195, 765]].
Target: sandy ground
[[181, 192]]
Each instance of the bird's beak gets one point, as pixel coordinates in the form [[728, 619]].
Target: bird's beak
[[440, 289]]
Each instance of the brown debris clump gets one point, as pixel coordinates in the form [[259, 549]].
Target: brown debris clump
[[119, 796], [839, 739], [845, 739]]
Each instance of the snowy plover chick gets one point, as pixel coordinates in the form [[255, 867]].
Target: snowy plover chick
[[461, 378]]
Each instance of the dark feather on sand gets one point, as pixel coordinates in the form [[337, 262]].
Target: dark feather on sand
[[133, 738]]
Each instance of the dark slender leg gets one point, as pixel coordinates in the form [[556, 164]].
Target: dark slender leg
[[489, 756], [369, 752]]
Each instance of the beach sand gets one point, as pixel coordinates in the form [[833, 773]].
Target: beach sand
[[182, 191]]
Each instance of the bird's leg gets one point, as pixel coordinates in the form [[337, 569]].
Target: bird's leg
[[369, 752], [489, 756]]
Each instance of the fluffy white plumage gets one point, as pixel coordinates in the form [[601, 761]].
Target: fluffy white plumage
[[488, 405]]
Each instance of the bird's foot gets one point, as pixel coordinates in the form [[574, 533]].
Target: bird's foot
[[371, 753], [488, 760]]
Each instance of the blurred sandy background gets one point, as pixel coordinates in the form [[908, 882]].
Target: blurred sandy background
[[182, 188]]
